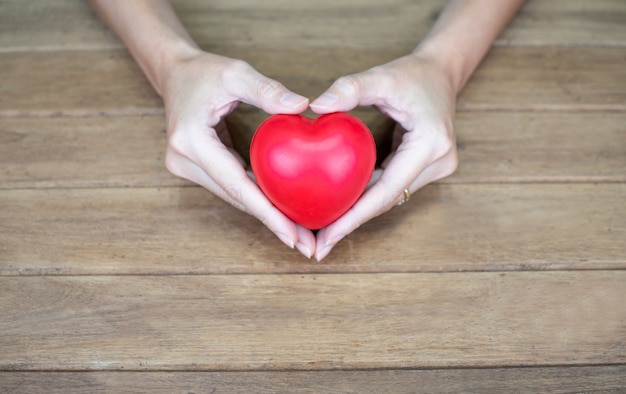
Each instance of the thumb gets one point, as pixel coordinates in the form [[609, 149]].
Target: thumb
[[346, 93], [267, 94]]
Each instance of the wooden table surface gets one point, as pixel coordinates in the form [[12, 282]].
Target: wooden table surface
[[509, 276]]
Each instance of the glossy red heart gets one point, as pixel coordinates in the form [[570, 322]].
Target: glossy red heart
[[313, 170]]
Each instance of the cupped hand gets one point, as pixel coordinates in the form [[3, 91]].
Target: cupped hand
[[199, 91], [420, 96]]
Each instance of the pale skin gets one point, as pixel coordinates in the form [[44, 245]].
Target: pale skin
[[200, 89]]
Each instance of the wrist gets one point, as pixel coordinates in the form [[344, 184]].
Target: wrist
[[163, 60], [448, 59]]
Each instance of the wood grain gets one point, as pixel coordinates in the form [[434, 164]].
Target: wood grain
[[188, 230], [66, 24], [540, 147], [84, 152], [567, 23], [573, 79], [518, 380], [555, 79], [493, 147], [506, 277], [74, 83], [296, 322]]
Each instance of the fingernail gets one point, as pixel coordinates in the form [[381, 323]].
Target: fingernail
[[286, 240], [292, 100], [323, 253], [325, 100], [304, 249], [335, 240]]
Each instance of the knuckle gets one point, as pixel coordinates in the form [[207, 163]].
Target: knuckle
[[384, 79], [172, 163], [444, 142], [268, 87], [390, 197], [234, 69], [349, 84], [177, 141], [237, 66], [452, 164]]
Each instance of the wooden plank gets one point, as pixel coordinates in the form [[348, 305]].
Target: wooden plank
[[445, 228], [67, 24], [493, 147], [574, 79], [74, 83], [321, 322], [518, 380], [540, 147], [581, 79], [84, 152], [568, 23]]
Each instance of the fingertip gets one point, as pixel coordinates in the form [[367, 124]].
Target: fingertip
[[306, 241], [321, 255], [268, 94], [324, 103], [325, 243], [305, 250], [345, 94], [293, 102]]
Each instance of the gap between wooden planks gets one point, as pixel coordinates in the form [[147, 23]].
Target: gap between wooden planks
[[294, 322], [518, 380], [187, 230]]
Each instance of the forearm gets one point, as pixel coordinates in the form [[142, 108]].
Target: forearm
[[151, 31], [464, 33]]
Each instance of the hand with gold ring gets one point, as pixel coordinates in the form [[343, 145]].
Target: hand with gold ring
[[423, 149], [407, 196], [419, 92]]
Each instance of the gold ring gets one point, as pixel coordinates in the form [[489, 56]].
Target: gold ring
[[407, 195]]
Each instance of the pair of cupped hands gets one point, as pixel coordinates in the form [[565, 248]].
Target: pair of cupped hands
[[201, 89]]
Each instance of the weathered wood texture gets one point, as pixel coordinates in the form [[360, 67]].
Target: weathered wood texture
[[294, 322], [571, 79], [116, 276], [598, 379], [493, 147], [67, 24], [188, 230]]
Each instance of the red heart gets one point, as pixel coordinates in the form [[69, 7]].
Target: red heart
[[313, 170]]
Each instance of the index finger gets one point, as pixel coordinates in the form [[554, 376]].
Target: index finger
[[413, 156]]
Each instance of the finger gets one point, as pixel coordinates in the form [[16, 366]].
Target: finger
[[350, 91], [306, 241], [253, 88], [324, 246], [410, 160], [438, 170], [227, 172], [374, 178], [181, 166], [224, 176]]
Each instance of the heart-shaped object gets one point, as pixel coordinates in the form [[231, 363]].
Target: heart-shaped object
[[313, 170]]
